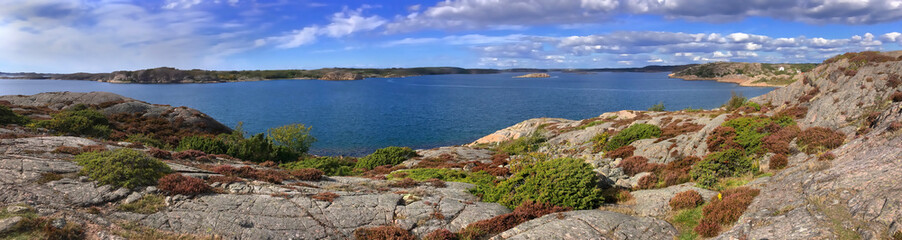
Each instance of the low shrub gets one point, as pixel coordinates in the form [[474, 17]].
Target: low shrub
[[686, 199], [647, 182], [78, 120], [436, 183], [67, 150], [386, 156], [751, 130], [159, 153], [145, 139], [779, 141], [599, 141], [816, 139], [523, 144], [332, 166], [676, 129], [566, 182], [382, 233], [707, 228], [722, 138], [178, 184], [122, 168], [778, 161], [404, 183], [897, 96], [727, 163], [307, 174], [267, 175], [93, 148], [224, 179], [631, 134], [736, 101], [7, 116], [325, 196], [190, 155], [621, 152], [659, 107], [728, 206], [203, 144], [637, 164], [42, 228], [827, 156], [527, 211], [147, 204], [441, 234], [894, 126], [677, 171], [796, 112]]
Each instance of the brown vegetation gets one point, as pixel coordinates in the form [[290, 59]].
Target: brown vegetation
[[621, 152], [382, 233], [325, 196], [778, 161], [176, 183], [526, 211], [686, 199], [819, 139]]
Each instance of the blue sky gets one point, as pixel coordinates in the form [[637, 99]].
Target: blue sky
[[109, 35]]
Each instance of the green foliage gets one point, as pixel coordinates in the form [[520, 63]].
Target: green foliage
[[122, 168], [295, 137], [204, 144], [147, 140], [78, 120], [599, 141], [386, 156], [753, 105], [727, 163], [258, 149], [483, 181], [736, 101], [7, 116], [657, 107], [522, 145], [751, 130], [148, 204], [685, 221], [566, 182], [631, 134], [331, 166]]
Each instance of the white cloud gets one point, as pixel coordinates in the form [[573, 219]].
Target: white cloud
[[341, 24]]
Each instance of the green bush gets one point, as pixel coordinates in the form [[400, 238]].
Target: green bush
[[7, 116], [631, 134], [657, 107], [727, 163], [566, 182], [736, 101], [750, 131], [78, 120], [386, 156], [146, 140], [523, 144], [483, 181], [331, 166], [203, 144], [122, 168], [259, 149], [295, 137]]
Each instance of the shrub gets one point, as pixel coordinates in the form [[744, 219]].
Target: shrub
[[307, 174], [778, 161], [707, 228], [440, 234], [631, 134], [67, 150], [190, 155], [894, 126], [7, 116], [523, 144], [897, 97], [176, 183], [382, 233], [564, 182], [686, 199], [483, 182], [224, 179], [332, 166], [751, 130], [147, 140], [325, 196], [295, 137], [258, 149], [203, 144], [779, 141], [267, 175], [827, 156], [727, 163], [736, 101], [647, 182], [621, 152], [676, 129], [731, 205], [657, 107], [404, 183], [722, 138], [527, 211], [159, 153], [386, 156], [78, 120], [147, 204], [817, 139], [793, 112], [122, 168], [599, 141], [42, 228], [637, 164]]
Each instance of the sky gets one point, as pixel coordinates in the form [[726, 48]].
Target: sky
[[61, 36]]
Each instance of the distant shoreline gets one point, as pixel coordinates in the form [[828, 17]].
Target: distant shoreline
[[747, 82]]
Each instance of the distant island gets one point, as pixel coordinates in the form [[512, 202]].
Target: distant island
[[534, 75], [173, 75], [746, 74]]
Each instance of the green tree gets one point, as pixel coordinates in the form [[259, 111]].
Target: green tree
[[657, 107], [295, 137]]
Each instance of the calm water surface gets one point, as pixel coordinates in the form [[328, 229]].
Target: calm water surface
[[356, 117]]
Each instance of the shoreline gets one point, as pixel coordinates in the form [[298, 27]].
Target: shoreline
[[749, 82]]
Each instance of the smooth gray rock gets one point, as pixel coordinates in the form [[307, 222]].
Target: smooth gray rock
[[590, 224], [9, 223], [656, 202]]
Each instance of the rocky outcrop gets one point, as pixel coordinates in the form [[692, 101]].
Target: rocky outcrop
[[590, 224], [534, 75], [110, 104], [745, 74], [340, 76]]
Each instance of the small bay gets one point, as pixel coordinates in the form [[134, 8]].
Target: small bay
[[356, 117]]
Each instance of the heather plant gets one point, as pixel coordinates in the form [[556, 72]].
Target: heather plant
[[566, 182], [817, 139], [637, 164], [621, 152], [686, 199], [386, 156], [175, 184], [382, 233], [778, 161], [728, 206], [631, 134], [78, 120], [524, 212], [122, 168]]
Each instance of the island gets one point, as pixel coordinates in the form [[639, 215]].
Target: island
[[745, 74], [534, 75]]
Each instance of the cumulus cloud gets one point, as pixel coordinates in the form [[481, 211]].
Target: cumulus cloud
[[341, 24], [86, 36], [484, 14]]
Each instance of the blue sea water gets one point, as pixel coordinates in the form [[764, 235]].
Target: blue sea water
[[357, 117]]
